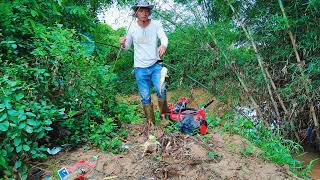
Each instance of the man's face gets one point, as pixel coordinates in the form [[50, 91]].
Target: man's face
[[143, 14]]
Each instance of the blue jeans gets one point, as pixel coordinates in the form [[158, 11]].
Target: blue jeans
[[146, 76]]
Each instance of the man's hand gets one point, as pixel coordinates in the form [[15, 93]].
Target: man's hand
[[162, 50], [122, 41]]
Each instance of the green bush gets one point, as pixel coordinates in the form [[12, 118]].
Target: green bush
[[25, 119], [52, 73], [274, 147]]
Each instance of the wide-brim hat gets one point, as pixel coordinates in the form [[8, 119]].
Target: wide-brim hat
[[142, 4]]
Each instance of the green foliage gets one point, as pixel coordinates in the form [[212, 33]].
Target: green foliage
[[247, 150], [217, 51], [105, 34], [24, 121], [212, 154], [274, 147], [107, 51], [307, 170], [208, 57], [104, 135], [172, 127], [52, 73], [277, 50], [212, 120]]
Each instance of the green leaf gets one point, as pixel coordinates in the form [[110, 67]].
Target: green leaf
[[23, 175], [60, 2], [41, 134], [22, 116], [31, 122], [4, 153], [33, 152], [2, 107], [26, 147], [12, 83], [248, 124], [6, 103], [18, 149], [39, 71], [22, 125], [13, 112], [29, 129], [48, 128], [4, 163], [3, 117], [17, 142], [212, 154], [14, 46], [4, 126], [17, 164], [7, 42], [30, 114], [19, 96], [9, 148], [34, 13], [48, 122]]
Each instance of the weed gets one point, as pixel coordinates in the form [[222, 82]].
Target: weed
[[274, 147], [212, 154], [247, 150]]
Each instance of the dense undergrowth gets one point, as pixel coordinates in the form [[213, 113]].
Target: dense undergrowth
[[273, 146], [55, 85]]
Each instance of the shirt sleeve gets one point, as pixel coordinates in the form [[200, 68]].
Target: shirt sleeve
[[162, 35]]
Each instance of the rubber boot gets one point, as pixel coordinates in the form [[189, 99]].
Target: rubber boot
[[149, 113], [163, 107]]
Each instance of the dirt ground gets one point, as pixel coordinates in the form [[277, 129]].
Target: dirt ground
[[177, 156], [216, 155]]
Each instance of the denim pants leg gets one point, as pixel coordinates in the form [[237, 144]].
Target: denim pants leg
[[146, 76]]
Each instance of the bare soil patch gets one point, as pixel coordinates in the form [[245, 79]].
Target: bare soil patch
[[176, 156]]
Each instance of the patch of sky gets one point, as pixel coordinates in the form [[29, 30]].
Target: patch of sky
[[170, 13]]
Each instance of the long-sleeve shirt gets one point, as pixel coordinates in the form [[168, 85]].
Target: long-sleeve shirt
[[145, 42]]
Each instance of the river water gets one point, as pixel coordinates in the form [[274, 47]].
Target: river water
[[307, 157]]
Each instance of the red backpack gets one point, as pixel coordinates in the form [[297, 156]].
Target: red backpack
[[191, 119]]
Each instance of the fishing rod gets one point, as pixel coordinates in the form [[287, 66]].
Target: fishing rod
[[120, 48], [110, 45]]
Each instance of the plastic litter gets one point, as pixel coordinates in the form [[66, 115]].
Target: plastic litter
[[47, 178], [54, 150], [63, 173], [125, 146], [80, 170]]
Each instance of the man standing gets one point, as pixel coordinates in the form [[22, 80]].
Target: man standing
[[144, 35]]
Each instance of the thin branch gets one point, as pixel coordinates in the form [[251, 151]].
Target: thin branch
[[294, 46], [260, 62]]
